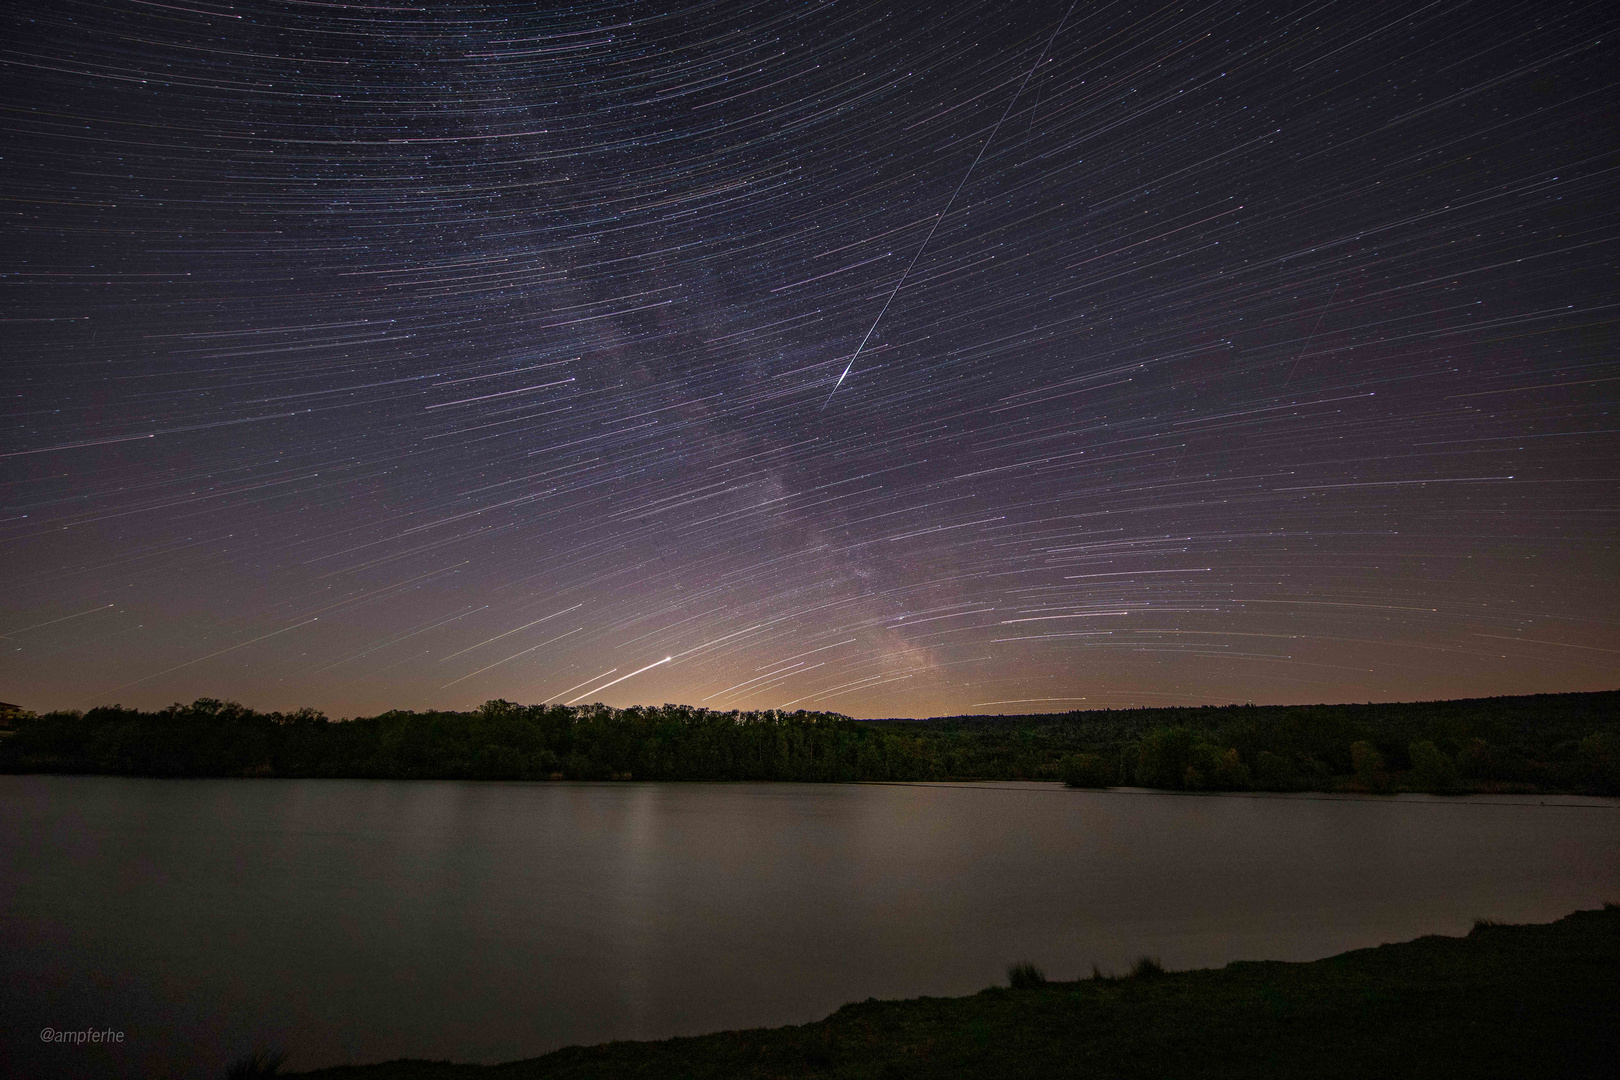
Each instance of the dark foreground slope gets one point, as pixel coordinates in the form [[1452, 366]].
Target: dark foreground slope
[[1536, 743], [1505, 1001]]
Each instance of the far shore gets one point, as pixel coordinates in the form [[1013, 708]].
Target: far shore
[[1540, 744]]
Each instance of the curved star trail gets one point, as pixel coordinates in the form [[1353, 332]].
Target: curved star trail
[[372, 356]]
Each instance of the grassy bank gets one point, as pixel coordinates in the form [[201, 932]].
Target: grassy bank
[[1505, 1001], [1531, 744]]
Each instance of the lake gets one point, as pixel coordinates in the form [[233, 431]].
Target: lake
[[362, 920]]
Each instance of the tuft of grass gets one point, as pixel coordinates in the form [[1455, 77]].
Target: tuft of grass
[[1025, 975], [1147, 967], [261, 1062]]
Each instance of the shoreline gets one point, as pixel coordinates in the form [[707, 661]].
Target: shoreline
[[1504, 1000], [1564, 799]]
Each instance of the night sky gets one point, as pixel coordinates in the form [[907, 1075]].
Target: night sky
[[890, 359]]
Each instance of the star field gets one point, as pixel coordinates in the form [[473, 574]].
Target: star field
[[883, 359]]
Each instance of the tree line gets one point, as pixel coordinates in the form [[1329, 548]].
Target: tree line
[[1552, 742]]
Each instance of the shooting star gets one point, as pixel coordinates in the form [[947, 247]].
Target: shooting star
[[620, 679], [948, 202]]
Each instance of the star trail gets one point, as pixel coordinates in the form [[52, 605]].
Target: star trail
[[890, 360]]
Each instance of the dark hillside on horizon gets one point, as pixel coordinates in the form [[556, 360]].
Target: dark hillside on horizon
[[1508, 708], [1497, 743]]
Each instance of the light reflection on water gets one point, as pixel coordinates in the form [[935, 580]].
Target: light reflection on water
[[361, 920]]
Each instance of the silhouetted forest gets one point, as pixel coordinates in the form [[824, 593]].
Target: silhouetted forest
[[1550, 742]]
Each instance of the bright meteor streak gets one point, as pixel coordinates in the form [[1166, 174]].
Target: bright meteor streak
[[620, 679], [948, 203]]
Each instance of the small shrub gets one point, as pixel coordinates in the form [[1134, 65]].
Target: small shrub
[[1431, 769], [1165, 757], [1476, 761], [1369, 766], [1088, 771], [1599, 756], [1228, 772], [1025, 975], [1365, 758], [1273, 772], [1147, 967], [257, 1064]]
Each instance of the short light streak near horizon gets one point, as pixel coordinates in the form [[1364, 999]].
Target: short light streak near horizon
[[1048, 618], [53, 622], [620, 679], [748, 682], [577, 685]]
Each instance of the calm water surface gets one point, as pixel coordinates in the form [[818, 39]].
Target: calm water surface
[[360, 920]]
